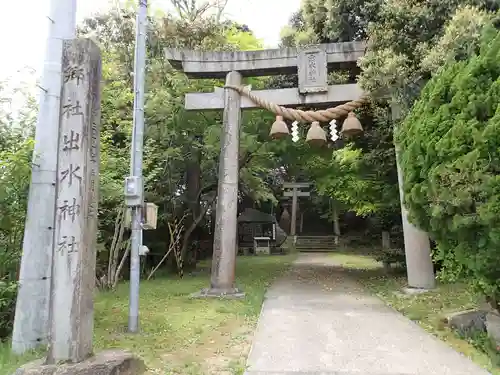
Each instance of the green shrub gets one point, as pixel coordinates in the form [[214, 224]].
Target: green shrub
[[450, 157], [392, 256], [8, 294], [15, 165]]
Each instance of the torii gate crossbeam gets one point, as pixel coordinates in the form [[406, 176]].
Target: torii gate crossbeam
[[202, 64]]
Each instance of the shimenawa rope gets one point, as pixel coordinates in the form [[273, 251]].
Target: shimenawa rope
[[302, 116]]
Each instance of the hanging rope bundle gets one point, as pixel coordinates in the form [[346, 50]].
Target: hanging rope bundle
[[302, 116]]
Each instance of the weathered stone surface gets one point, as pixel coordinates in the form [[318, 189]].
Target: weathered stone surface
[[414, 291], [291, 97], [31, 326], [467, 322], [419, 267], [36, 368], [112, 362], [493, 326], [77, 187], [226, 221], [312, 70], [205, 64], [232, 293]]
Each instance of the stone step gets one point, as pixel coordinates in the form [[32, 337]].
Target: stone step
[[315, 243], [318, 250]]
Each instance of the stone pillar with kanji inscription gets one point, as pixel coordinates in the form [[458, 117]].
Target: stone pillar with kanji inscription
[[75, 234]]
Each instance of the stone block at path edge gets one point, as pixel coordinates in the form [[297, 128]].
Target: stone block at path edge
[[468, 323], [112, 362], [493, 326]]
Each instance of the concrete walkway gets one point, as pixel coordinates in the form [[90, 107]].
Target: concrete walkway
[[318, 320]]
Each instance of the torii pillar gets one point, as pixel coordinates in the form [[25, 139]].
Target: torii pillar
[[311, 64], [419, 267]]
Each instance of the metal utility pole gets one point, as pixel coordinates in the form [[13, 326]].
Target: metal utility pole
[[134, 189], [32, 309]]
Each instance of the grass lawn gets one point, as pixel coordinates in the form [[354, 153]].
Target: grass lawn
[[180, 335], [428, 309]]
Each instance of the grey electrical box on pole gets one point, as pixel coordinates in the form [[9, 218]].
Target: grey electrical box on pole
[[134, 188], [133, 191]]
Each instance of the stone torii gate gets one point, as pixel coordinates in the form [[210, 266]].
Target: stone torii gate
[[295, 193], [312, 65]]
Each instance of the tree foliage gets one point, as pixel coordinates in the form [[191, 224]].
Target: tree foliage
[[408, 39], [181, 148], [327, 21], [450, 157], [16, 146]]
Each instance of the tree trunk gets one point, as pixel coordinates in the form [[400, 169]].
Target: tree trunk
[[192, 227], [193, 182], [386, 245], [336, 223], [386, 240]]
